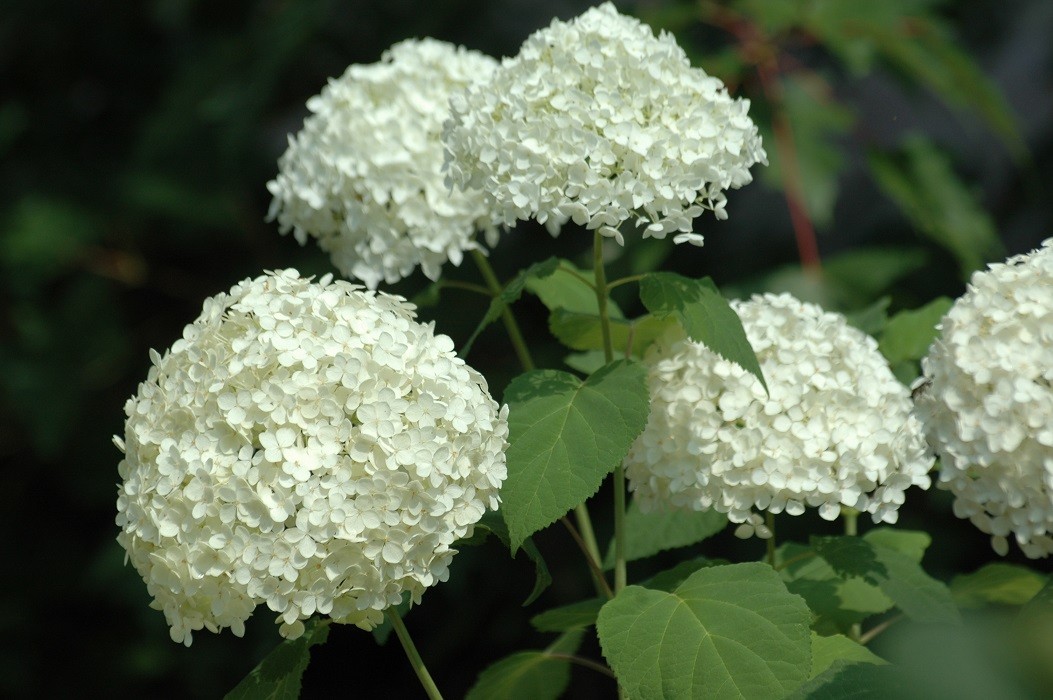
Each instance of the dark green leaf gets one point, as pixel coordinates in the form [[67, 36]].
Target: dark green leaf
[[818, 121], [569, 617], [671, 578], [872, 319], [908, 334], [647, 534], [493, 524], [727, 631], [538, 675], [278, 676], [565, 436], [846, 680], [902, 579], [920, 180], [509, 295], [704, 314]]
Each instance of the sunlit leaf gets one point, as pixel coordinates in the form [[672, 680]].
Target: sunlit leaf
[[704, 314], [565, 436], [908, 334], [727, 631], [998, 583], [828, 650]]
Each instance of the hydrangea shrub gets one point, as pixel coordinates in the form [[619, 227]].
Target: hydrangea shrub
[[310, 447]]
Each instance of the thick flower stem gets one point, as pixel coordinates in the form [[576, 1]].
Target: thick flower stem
[[487, 271], [619, 471], [411, 653], [581, 513], [851, 515]]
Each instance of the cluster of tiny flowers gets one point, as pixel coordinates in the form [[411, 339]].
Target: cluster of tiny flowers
[[364, 176], [308, 446], [835, 430], [597, 121], [986, 399]]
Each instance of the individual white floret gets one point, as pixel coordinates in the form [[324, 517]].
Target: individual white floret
[[363, 176], [306, 446], [835, 430], [599, 121], [986, 399]]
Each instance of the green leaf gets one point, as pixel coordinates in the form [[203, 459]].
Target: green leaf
[[581, 331], [868, 272], [912, 543], [493, 524], [704, 314], [847, 680], [931, 56], [586, 362], [998, 583], [563, 290], [278, 676], [727, 631], [837, 647], [872, 319], [838, 603], [538, 675], [565, 436], [921, 181], [569, 617], [902, 579], [908, 334], [429, 296], [509, 295], [647, 534], [669, 579]]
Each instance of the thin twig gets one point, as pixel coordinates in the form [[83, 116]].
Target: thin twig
[[587, 663], [594, 566]]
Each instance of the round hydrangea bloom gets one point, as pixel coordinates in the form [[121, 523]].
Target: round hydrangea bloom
[[836, 430], [308, 446], [364, 176], [986, 399], [596, 121]]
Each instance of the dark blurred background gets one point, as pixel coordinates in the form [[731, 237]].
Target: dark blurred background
[[136, 140]]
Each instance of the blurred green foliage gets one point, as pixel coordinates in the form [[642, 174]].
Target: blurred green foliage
[[137, 139]]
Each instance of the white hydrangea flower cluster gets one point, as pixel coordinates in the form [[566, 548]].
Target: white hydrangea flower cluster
[[597, 121], [364, 176], [308, 446], [986, 399], [837, 429]]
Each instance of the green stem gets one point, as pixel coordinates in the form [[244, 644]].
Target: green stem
[[620, 578], [581, 513], [411, 653], [467, 286], [506, 315], [625, 280], [601, 295], [587, 663], [592, 560], [574, 273], [851, 515], [769, 520]]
